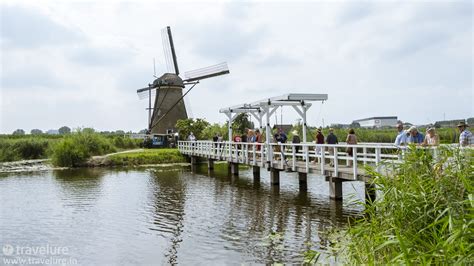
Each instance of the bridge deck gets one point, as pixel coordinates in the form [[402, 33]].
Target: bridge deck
[[301, 158]]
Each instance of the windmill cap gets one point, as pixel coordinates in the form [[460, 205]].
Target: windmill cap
[[168, 79]]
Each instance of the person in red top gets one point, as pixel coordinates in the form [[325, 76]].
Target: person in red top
[[319, 140]]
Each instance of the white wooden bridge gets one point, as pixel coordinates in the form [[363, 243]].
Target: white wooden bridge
[[330, 161], [304, 158]]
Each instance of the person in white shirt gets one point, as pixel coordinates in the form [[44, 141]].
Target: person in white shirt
[[401, 138]]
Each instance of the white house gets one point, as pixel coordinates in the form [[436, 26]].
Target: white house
[[377, 122]]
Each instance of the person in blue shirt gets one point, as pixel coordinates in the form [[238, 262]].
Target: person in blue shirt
[[415, 136]]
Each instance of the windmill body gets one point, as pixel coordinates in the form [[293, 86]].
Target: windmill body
[[170, 92], [169, 106]]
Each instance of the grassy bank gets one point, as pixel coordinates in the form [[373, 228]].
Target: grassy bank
[[425, 216], [149, 156], [64, 150]]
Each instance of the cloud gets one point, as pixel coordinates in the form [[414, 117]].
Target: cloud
[[355, 11], [227, 41], [32, 77], [101, 56], [23, 27]]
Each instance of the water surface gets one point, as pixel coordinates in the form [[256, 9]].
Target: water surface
[[170, 215]]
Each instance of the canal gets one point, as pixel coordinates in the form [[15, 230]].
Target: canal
[[169, 215]]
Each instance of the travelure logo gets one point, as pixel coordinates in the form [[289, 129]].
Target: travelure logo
[[8, 250]]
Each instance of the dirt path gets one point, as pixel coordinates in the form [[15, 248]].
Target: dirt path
[[120, 152]]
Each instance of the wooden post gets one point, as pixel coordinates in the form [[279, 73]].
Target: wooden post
[[234, 168], [335, 188], [256, 172], [275, 176], [193, 160], [370, 194], [210, 164], [303, 181]]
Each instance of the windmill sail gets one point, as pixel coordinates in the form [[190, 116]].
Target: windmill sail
[[168, 49], [207, 72]]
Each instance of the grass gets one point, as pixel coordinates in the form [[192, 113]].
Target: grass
[[425, 216], [148, 156]]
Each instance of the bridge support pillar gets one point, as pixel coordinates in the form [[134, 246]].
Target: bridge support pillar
[[275, 176], [234, 168], [210, 164], [193, 160], [335, 188], [256, 172], [369, 193], [303, 181]]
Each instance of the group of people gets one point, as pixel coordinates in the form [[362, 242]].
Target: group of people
[[412, 135], [404, 137]]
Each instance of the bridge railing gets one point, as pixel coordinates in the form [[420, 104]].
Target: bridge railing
[[301, 155]]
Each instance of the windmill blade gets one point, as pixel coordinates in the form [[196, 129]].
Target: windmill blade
[[207, 72], [144, 89], [143, 93], [168, 49]]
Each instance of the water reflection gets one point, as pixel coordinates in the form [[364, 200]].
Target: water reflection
[[268, 221], [79, 188], [169, 198]]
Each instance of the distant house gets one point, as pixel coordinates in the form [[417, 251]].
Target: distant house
[[377, 122], [52, 132]]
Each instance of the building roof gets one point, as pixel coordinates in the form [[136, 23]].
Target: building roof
[[376, 117]]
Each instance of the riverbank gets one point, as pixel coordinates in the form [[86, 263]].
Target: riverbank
[[135, 157]]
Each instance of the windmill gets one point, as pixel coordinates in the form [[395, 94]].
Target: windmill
[[169, 106]]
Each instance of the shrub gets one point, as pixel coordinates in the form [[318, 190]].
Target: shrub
[[76, 148]]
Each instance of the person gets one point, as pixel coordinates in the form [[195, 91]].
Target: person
[[431, 138], [243, 138], [352, 140], [258, 139], [465, 138], [296, 139], [280, 137], [215, 139], [251, 136], [331, 139], [401, 138], [415, 136], [319, 140], [191, 137]]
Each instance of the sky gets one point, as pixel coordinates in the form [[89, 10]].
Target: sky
[[79, 63]]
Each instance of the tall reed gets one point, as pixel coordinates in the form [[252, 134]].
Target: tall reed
[[424, 215]]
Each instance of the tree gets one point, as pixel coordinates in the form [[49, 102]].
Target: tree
[[19, 132], [355, 125], [213, 129], [186, 126], [64, 130], [36, 132], [241, 122], [143, 131], [119, 132]]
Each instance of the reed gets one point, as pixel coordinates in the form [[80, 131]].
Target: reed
[[425, 214]]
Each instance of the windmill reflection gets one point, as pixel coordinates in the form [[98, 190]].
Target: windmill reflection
[[169, 198]]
